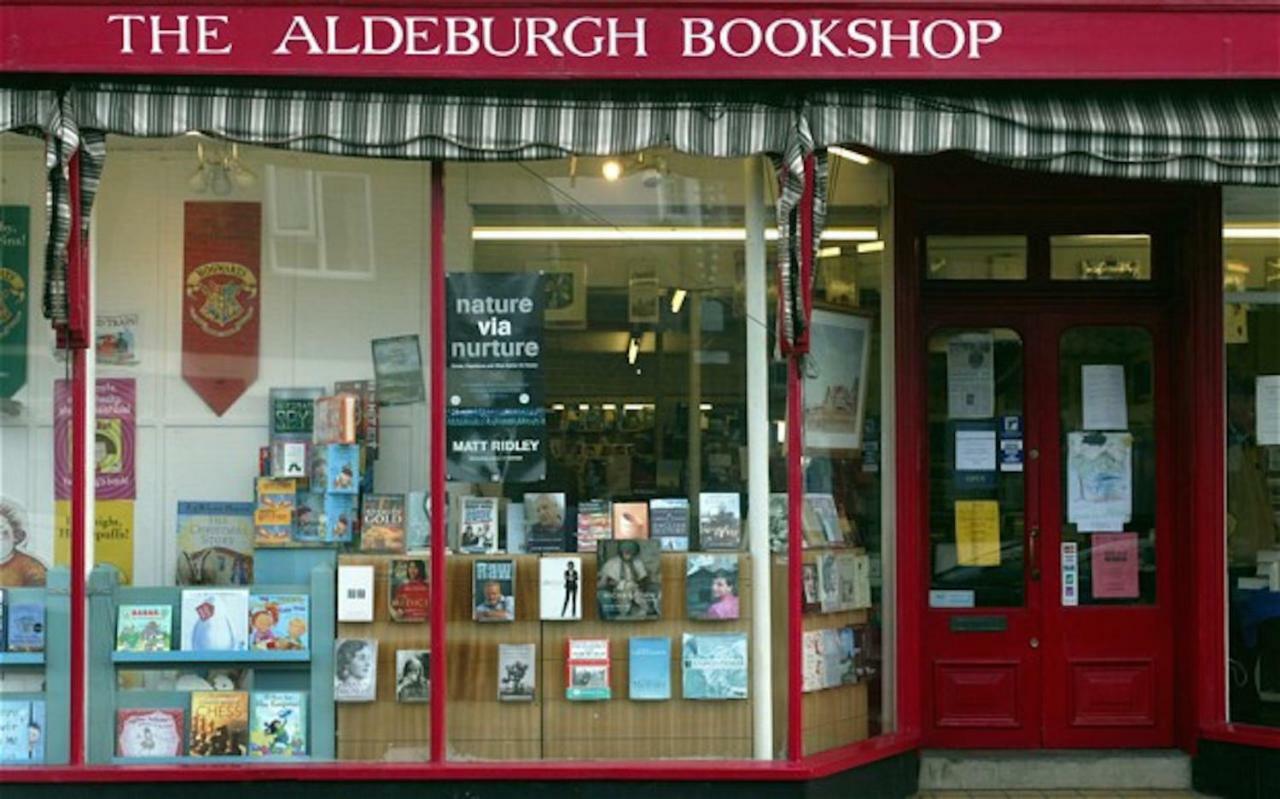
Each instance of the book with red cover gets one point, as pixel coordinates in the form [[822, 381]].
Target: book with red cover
[[337, 419], [586, 669]]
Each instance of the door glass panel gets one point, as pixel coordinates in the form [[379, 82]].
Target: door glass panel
[[1110, 256], [976, 489], [976, 257], [1108, 411]]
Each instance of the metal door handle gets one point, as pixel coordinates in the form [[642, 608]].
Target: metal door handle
[[1033, 552]]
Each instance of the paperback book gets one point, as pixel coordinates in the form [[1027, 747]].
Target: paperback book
[[846, 563], [309, 518], [22, 725], [828, 583], [711, 587], [810, 598], [650, 668], [719, 521], [586, 669], [273, 516], [630, 520], [559, 588], [779, 523], [355, 670], [219, 724], [336, 421], [367, 427], [335, 468], [826, 517], [812, 662], [149, 732], [629, 580], [832, 668], [595, 524], [408, 589], [382, 523], [417, 521], [517, 672], [289, 459], [292, 413], [214, 619], [413, 675], [715, 665], [849, 655], [25, 627], [544, 518], [278, 724], [493, 594], [144, 628], [515, 528], [355, 592], [340, 517], [861, 580], [279, 621], [478, 528], [215, 543], [669, 523]]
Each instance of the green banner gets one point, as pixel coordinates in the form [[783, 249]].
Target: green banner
[[15, 227]]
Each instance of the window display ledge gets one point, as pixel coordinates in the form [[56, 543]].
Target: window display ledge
[[255, 657], [8, 659]]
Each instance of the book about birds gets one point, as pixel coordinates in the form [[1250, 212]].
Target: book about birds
[[560, 588], [711, 587], [586, 669], [279, 622], [714, 665], [214, 619], [719, 521], [25, 631], [629, 580], [544, 518], [278, 724], [669, 523], [355, 670], [149, 732], [144, 628], [291, 413], [650, 668], [630, 520], [517, 672], [493, 590], [595, 524], [335, 468], [273, 517], [408, 590], [219, 724], [382, 523], [478, 527], [413, 675], [336, 419], [215, 543]]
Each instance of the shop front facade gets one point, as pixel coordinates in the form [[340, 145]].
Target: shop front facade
[[599, 398]]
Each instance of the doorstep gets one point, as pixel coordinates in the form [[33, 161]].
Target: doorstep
[[1111, 771]]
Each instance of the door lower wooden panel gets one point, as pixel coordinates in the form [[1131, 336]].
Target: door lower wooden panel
[[1113, 693], [977, 694]]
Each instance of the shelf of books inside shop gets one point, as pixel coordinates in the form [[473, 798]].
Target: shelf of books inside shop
[[35, 672], [214, 673]]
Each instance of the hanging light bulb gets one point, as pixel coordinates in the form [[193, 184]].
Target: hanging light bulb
[[612, 170]]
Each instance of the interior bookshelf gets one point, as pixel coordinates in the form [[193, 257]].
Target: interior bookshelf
[[51, 668]]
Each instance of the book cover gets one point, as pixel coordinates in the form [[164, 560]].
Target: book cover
[[144, 628], [650, 667], [215, 543], [812, 525], [845, 563], [544, 518], [3, 636], [823, 507], [25, 627], [214, 619], [848, 655], [413, 675], [219, 724], [559, 588], [279, 621], [278, 724], [355, 593], [719, 521], [149, 732], [355, 670], [515, 528], [595, 524], [517, 672], [630, 520], [367, 420], [810, 597], [292, 413], [478, 528], [417, 521], [861, 580], [335, 468], [629, 580], [340, 518], [711, 587], [408, 590], [715, 665], [669, 523], [779, 524], [382, 523], [289, 459], [21, 731], [336, 419], [832, 669], [309, 518], [828, 583], [273, 516], [812, 662], [586, 669], [493, 594]]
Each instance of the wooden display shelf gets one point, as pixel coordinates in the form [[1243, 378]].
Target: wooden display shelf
[[250, 657], [8, 659]]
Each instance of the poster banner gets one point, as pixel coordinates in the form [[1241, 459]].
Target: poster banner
[[221, 299], [496, 417], [112, 535], [15, 259], [113, 444]]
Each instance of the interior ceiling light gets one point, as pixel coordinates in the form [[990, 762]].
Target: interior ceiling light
[[871, 246], [633, 350], [611, 170], [1248, 232], [677, 300], [849, 155]]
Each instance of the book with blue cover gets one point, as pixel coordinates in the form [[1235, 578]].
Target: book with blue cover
[[278, 724], [21, 731], [714, 665], [309, 518], [26, 627], [335, 468], [341, 517], [650, 668]]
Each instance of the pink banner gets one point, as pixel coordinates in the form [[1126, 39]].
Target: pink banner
[[1115, 565], [114, 441]]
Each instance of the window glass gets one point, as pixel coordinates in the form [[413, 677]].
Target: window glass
[[976, 257], [1100, 257]]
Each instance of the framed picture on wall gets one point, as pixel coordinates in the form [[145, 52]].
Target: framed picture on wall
[[835, 380], [565, 285]]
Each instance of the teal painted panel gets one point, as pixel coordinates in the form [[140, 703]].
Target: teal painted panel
[[251, 657], [57, 672], [9, 659], [323, 630]]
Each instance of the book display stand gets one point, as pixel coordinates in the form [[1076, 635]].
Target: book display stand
[[53, 664]]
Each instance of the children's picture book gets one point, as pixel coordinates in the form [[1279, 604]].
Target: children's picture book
[[515, 542], [336, 419], [278, 724], [629, 580], [650, 668], [273, 516], [149, 732], [279, 621], [219, 724], [355, 670], [214, 619], [719, 521], [309, 518], [779, 524], [292, 413], [493, 593], [25, 627], [366, 411], [417, 520], [828, 583], [711, 587], [144, 628], [22, 725], [586, 669], [595, 524], [630, 520], [290, 459], [335, 468], [355, 593], [408, 590], [382, 523], [517, 672], [544, 519], [669, 523], [560, 588], [478, 527], [810, 598], [846, 564], [341, 517], [215, 543], [715, 665], [812, 662], [413, 675]]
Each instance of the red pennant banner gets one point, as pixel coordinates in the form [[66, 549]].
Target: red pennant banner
[[221, 300]]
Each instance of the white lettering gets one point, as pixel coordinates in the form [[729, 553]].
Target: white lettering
[[486, 24], [571, 42], [867, 41], [756, 37], [771, 37], [976, 38], [418, 29], [157, 32], [701, 35], [461, 28], [331, 31], [957, 39], [616, 35], [371, 25], [126, 29], [299, 31], [821, 42], [207, 35], [549, 27], [911, 37]]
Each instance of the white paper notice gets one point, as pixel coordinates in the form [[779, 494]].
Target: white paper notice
[[1099, 480], [1102, 390], [1267, 392], [1070, 574], [971, 383], [975, 450]]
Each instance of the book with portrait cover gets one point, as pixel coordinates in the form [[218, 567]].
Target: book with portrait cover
[[291, 413], [367, 421], [517, 672], [214, 619], [219, 724], [544, 520], [650, 668], [810, 597], [493, 592], [630, 520], [279, 621], [595, 524], [25, 627], [715, 665], [413, 675], [149, 732], [408, 590], [478, 527], [273, 517], [719, 521], [278, 724], [382, 523], [629, 580], [215, 543], [812, 662], [586, 669], [144, 628], [560, 588], [711, 587], [669, 523], [355, 670], [336, 419]]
